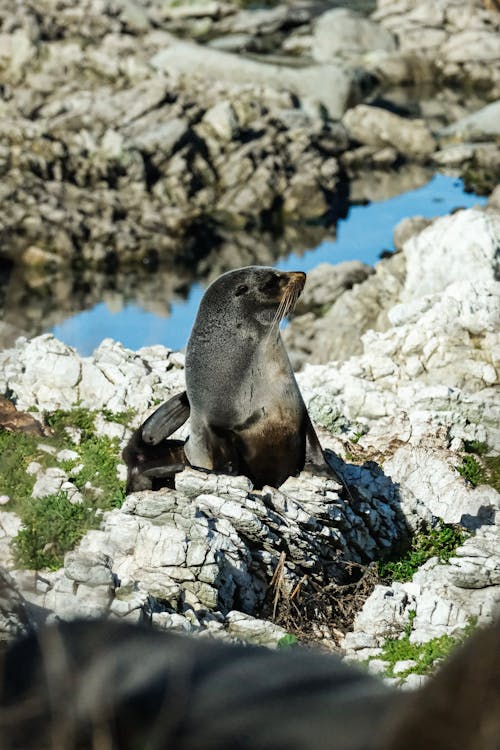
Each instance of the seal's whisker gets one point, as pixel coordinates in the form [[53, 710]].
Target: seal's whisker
[[287, 303]]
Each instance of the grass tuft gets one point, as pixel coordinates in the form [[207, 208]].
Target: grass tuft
[[426, 655], [441, 542], [51, 526]]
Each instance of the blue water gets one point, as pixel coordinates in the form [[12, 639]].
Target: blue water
[[362, 235]]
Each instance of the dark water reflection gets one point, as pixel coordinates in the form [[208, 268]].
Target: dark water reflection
[[142, 306]]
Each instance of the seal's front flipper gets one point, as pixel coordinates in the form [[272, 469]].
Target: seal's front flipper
[[316, 461], [166, 419], [315, 458]]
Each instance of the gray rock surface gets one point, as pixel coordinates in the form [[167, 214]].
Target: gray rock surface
[[447, 39], [483, 125], [374, 126], [343, 33], [327, 282], [212, 545], [115, 150], [330, 86], [336, 335]]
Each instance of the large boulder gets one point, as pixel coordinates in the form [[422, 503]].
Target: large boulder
[[330, 86], [343, 33], [374, 126]]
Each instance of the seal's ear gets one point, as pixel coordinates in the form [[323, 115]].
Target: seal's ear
[[166, 419]]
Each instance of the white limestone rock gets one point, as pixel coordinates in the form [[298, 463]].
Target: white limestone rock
[[252, 630], [343, 33], [374, 126], [10, 524], [332, 86], [213, 542], [433, 371], [50, 375], [460, 247], [431, 487]]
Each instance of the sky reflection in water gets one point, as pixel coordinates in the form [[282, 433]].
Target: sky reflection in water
[[361, 236]]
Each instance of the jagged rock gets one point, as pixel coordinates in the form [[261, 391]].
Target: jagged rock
[[479, 126], [327, 282], [447, 40], [15, 620], [430, 487], [337, 334], [246, 628], [378, 127], [464, 247], [10, 524], [408, 228], [213, 543], [113, 377], [442, 597], [52, 481], [329, 85]]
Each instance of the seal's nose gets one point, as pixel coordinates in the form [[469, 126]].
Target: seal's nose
[[297, 279]]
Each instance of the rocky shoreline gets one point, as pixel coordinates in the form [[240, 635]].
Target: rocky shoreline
[[120, 138], [401, 418]]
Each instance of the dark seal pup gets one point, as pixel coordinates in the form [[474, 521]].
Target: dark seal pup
[[247, 414]]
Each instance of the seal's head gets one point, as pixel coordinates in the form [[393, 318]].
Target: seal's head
[[255, 293]]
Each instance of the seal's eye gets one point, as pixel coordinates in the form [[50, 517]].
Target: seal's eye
[[243, 289]]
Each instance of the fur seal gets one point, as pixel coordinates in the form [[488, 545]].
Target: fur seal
[[247, 413]]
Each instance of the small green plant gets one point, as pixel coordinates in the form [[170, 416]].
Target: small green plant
[[485, 469], [357, 436], [288, 641], [440, 542], [476, 447], [121, 417], [426, 655], [83, 419], [492, 471], [471, 470], [51, 526]]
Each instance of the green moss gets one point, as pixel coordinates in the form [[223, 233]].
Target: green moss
[[426, 655], [121, 417], [492, 471], [484, 469], [17, 450], [99, 456], [51, 526], [81, 418], [357, 436], [440, 541]]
